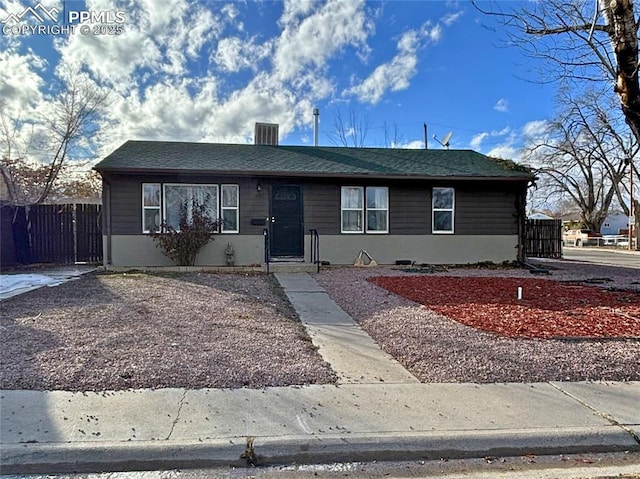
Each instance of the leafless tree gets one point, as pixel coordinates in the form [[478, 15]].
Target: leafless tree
[[31, 164], [350, 131], [583, 156], [392, 136], [583, 41], [586, 40]]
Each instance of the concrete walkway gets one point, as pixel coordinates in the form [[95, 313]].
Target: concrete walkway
[[46, 432], [378, 412], [352, 353]]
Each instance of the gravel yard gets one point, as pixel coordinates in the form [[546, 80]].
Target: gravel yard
[[120, 331], [437, 349], [196, 330]]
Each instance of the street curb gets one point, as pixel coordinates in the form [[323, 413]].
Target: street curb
[[155, 455]]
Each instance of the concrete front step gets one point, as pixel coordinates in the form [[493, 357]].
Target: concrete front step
[[290, 267]]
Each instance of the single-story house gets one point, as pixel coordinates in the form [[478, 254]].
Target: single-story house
[[427, 206]]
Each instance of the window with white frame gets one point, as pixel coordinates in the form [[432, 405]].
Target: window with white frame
[[352, 209], [377, 209], [365, 209], [443, 206], [179, 198], [229, 208], [151, 217]]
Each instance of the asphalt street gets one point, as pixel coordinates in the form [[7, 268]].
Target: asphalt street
[[624, 258]]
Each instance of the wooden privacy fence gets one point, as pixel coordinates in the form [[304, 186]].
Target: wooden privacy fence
[[66, 233], [543, 238]]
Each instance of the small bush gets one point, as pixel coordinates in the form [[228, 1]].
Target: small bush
[[196, 231]]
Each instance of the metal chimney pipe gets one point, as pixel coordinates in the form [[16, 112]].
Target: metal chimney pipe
[[316, 114]]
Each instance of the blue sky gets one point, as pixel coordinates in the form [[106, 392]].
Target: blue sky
[[206, 71]]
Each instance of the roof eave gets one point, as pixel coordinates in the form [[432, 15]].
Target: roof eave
[[307, 174]]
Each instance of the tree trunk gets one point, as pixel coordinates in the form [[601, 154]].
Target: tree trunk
[[620, 16]]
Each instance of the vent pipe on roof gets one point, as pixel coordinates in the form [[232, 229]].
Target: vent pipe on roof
[[316, 115]]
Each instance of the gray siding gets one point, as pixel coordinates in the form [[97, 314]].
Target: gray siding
[[322, 207], [487, 208], [410, 210], [485, 212], [126, 201]]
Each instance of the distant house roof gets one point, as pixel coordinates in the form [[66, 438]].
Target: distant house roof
[[265, 160], [539, 216]]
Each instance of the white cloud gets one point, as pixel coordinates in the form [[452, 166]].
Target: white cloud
[[506, 151], [20, 82], [536, 128], [477, 140], [190, 71], [158, 37], [411, 145], [394, 75], [501, 105], [312, 40], [450, 18], [235, 54]]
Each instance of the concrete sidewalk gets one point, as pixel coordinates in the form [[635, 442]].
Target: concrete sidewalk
[[378, 411], [49, 432]]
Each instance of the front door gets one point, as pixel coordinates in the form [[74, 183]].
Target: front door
[[287, 229]]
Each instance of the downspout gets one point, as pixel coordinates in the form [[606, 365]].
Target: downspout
[[521, 208], [106, 207]]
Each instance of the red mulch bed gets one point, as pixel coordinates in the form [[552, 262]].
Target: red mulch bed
[[549, 309]]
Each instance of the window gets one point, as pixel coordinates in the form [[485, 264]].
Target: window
[[178, 196], [442, 201], [353, 209], [377, 209], [150, 207], [229, 208], [219, 201]]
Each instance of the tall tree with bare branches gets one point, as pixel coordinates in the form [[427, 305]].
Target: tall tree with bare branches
[[583, 156], [582, 42], [31, 162]]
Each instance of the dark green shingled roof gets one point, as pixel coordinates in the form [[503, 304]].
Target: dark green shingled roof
[[177, 157]]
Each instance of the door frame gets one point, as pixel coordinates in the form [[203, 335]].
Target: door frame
[[272, 216]]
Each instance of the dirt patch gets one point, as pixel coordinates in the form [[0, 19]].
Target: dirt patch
[[545, 309], [438, 349], [120, 331]]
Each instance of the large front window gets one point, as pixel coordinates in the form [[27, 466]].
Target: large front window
[[443, 201], [177, 197], [365, 209], [219, 202]]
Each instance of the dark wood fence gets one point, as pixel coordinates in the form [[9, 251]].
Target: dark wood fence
[[543, 238], [62, 234]]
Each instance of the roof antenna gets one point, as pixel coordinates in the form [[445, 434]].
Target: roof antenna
[[445, 139]]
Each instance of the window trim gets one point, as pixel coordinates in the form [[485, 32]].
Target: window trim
[[229, 208], [367, 209], [364, 211], [452, 210], [144, 207], [361, 210]]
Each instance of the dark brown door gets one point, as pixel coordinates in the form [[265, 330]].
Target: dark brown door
[[287, 228]]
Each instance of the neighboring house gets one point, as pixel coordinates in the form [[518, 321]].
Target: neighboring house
[[615, 223], [428, 206]]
